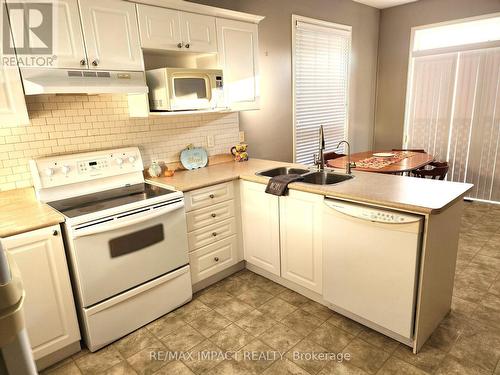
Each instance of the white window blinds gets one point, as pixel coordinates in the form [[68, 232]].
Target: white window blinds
[[321, 74]]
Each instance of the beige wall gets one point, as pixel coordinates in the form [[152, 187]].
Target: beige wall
[[394, 44], [269, 131]]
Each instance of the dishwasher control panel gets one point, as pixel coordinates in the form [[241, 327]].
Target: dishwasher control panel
[[371, 214]]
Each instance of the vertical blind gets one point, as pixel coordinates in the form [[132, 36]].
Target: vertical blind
[[454, 112], [321, 75]]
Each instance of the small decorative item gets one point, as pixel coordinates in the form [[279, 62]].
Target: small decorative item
[[168, 172], [194, 157], [239, 152], [154, 169]]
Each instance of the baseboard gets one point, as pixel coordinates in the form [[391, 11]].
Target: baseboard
[[205, 283]]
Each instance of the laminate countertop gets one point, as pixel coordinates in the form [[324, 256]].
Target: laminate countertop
[[398, 192], [21, 212]]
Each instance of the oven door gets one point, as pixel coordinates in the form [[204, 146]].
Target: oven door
[[115, 254]]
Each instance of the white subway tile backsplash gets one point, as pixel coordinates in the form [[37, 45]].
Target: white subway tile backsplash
[[79, 123]]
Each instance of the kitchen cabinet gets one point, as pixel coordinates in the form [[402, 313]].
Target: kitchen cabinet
[[111, 35], [212, 218], [238, 52], [12, 105], [67, 37], [260, 227], [301, 239], [198, 32], [168, 29], [159, 28], [49, 308]]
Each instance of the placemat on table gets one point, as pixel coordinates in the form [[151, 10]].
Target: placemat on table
[[375, 162]]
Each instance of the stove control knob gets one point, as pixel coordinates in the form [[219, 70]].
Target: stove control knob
[[131, 159], [49, 172], [119, 161], [65, 169]]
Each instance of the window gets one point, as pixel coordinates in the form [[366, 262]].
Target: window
[[453, 104], [321, 56]]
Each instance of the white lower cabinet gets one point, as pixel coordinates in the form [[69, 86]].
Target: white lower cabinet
[[260, 227], [49, 308], [214, 241], [301, 217], [213, 258], [282, 235]]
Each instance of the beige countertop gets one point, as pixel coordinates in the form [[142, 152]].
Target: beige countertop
[[399, 192], [21, 212]]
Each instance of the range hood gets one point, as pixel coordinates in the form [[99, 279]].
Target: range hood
[[73, 81]]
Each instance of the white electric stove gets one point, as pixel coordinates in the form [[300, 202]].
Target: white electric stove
[[125, 239]]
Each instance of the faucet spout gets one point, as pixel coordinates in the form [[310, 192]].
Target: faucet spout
[[348, 163], [320, 161]]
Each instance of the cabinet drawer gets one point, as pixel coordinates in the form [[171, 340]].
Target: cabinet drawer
[[212, 233], [209, 215], [213, 258], [207, 196]]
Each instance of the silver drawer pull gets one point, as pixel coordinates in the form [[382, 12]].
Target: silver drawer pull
[[214, 234], [216, 259], [213, 215], [212, 196]]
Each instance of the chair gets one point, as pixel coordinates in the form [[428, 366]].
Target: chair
[[331, 155], [419, 150], [435, 170]]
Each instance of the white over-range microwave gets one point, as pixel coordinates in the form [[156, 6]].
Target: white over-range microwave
[[182, 89]]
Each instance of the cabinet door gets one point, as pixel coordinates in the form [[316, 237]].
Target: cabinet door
[[239, 58], [67, 43], [49, 309], [111, 35], [159, 28], [198, 32], [12, 104], [260, 225], [301, 240]]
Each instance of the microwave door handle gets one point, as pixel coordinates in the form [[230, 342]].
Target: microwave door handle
[[113, 225]]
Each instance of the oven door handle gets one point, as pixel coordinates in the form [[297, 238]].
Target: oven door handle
[[117, 224]]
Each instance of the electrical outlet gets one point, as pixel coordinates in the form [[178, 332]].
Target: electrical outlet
[[242, 136], [210, 141]]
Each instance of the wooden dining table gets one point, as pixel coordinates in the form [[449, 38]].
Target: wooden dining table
[[414, 161]]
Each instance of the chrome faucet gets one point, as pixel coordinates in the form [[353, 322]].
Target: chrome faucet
[[319, 158], [348, 163]]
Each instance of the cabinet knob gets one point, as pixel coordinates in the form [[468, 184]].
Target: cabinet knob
[[55, 232], [187, 45], [214, 234], [180, 45], [83, 62], [95, 62], [212, 196], [214, 215], [216, 259]]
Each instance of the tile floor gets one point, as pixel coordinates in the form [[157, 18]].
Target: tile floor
[[246, 313]]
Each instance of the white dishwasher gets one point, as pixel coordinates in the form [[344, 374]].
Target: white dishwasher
[[370, 260]]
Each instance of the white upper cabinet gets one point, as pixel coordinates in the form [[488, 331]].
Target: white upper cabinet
[[68, 37], [301, 217], [159, 28], [198, 32], [174, 30], [12, 105], [260, 226], [111, 34], [239, 58]]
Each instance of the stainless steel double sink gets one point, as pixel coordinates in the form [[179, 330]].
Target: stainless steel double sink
[[308, 177]]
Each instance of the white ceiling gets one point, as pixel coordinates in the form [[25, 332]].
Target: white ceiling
[[381, 4]]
